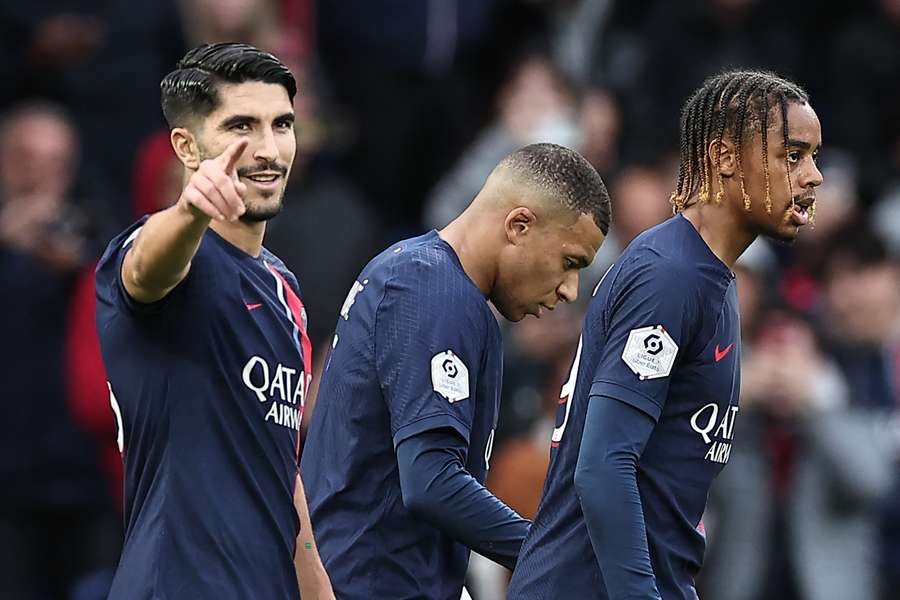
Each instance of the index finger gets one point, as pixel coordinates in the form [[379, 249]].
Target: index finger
[[230, 156]]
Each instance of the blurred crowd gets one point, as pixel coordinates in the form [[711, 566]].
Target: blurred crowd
[[404, 108]]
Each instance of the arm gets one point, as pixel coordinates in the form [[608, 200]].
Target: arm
[[614, 437], [311, 574], [160, 257], [436, 486]]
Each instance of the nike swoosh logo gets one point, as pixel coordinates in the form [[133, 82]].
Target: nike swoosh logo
[[720, 354], [252, 306]]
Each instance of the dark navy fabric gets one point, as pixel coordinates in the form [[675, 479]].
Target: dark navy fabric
[[416, 349], [208, 387], [667, 293], [436, 487]]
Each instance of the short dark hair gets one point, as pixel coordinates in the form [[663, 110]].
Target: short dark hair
[[192, 88], [567, 175], [735, 103]]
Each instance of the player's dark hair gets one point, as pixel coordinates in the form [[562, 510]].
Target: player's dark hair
[[736, 104], [567, 175], [192, 89]]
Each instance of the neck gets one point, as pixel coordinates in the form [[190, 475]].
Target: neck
[[248, 237], [469, 241], [722, 230]]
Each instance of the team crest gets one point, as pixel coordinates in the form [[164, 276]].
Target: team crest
[[650, 352]]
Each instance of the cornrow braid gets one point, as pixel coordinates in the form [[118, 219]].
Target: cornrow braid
[[729, 87], [742, 101], [764, 135], [784, 130], [705, 127], [736, 104]]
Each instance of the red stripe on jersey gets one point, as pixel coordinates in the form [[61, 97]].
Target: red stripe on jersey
[[297, 311]]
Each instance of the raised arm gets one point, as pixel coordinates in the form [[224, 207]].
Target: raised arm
[[161, 255]]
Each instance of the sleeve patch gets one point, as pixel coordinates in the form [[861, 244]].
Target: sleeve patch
[[449, 376], [650, 352]]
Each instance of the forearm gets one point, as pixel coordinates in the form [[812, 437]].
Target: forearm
[[606, 484], [436, 486], [311, 576], [161, 255]]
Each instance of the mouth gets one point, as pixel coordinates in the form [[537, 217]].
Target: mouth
[[541, 308], [266, 180], [799, 210]]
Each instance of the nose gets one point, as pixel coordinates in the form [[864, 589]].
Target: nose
[[812, 178], [568, 289], [266, 149]]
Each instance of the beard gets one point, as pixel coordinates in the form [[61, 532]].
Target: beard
[[263, 209], [266, 205]]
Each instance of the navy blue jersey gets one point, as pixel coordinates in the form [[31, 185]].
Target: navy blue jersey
[[416, 349], [662, 334], [207, 386]]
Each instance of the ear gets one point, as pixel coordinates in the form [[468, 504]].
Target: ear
[[185, 146], [727, 157], [519, 223]]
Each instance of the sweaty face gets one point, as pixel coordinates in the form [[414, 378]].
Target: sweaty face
[[797, 163], [541, 268], [261, 113]]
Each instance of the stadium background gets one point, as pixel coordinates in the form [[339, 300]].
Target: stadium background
[[405, 106]]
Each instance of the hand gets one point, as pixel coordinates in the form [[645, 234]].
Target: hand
[[24, 221], [214, 190], [758, 381], [796, 366]]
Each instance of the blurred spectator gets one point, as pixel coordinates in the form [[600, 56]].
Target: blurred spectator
[[601, 124], [578, 25], [59, 533], [535, 105], [253, 22], [688, 41], [640, 197], [863, 71], [407, 72], [837, 209], [157, 176], [103, 60], [319, 200], [793, 515]]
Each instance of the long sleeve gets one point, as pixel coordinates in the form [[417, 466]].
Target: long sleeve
[[615, 434], [436, 486]]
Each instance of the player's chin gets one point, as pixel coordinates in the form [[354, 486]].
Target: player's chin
[[785, 231], [262, 209], [513, 315]]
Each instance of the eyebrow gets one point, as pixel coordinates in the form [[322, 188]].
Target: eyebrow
[[239, 119], [792, 143]]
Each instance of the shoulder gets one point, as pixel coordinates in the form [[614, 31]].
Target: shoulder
[[653, 271], [425, 277]]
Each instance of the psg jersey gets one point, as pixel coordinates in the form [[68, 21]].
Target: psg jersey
[[207, 387], [662, 334], [416, 349]]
